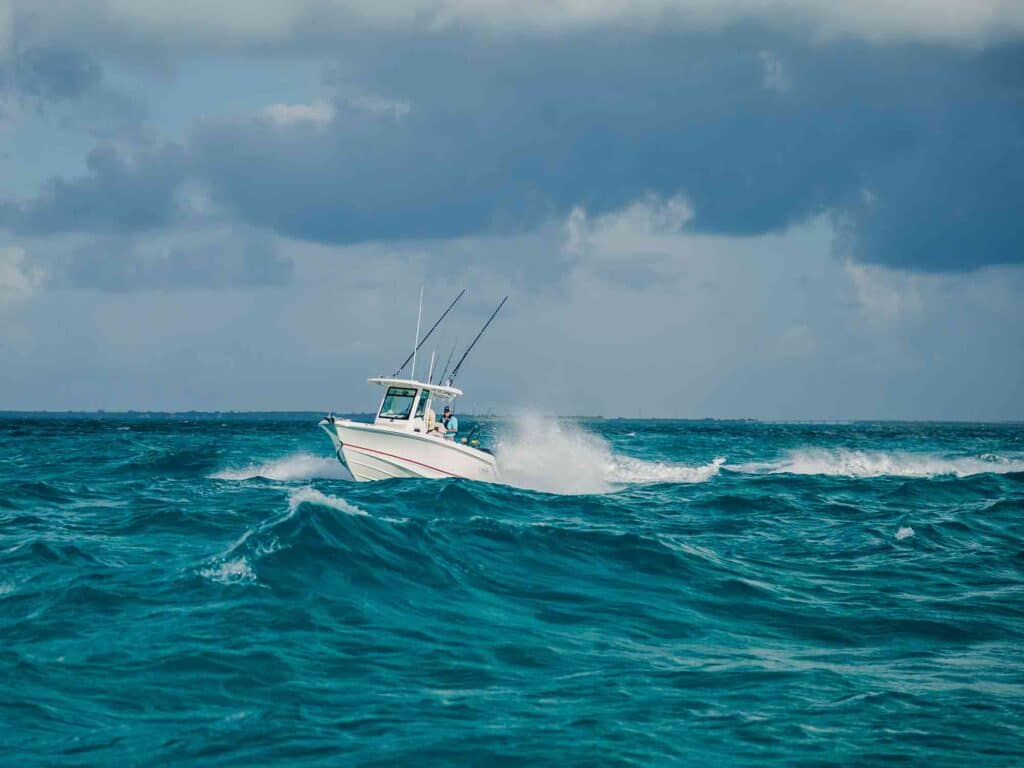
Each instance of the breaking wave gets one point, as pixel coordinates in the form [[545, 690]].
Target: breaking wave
[[309, 495], [235, 565], [297, 466], [905, 532], [842, 462], [235, 571], [545, 454]]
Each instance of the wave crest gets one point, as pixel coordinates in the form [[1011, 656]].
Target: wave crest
[[236, 564], [843, 462], [308, 495], [297, 466]]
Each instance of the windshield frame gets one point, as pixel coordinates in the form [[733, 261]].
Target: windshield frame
[[395, 396], [422, 404]]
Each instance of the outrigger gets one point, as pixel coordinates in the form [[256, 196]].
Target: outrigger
[[400, 442]]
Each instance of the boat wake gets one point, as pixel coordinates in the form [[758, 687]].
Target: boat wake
[[554, 456], [560, 457], [843, 462]]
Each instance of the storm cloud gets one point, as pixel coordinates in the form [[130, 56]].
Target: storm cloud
[[914, 150]]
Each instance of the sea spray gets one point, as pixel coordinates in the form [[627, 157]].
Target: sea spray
[[294, 467], [561, 456]]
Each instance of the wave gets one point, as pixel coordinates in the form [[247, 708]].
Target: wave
[[309, 495], [545, 454], [297, 466], [235, 565], [842, 462]]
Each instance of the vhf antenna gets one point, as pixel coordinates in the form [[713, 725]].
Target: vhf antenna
[[427, 336], [473, 343]]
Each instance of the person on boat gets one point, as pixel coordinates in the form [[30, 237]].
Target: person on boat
[[451, 424]]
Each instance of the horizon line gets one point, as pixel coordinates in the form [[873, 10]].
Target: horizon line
[[102, 412]]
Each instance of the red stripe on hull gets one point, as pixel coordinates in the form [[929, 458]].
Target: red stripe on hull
[[403, 458]]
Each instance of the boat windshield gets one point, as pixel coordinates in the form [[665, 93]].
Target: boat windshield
[[397, 403]]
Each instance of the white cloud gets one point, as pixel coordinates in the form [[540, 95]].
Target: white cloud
[[890, 298], [300, 23], [18, 278], [641, 226], [885, 295], [318, 113], [576, 231], [379, 107], [774, 74]]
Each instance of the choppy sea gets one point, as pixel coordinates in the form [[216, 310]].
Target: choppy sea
[[211, 589]]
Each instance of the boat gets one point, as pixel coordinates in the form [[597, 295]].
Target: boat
[[403, 439], [398, 444]]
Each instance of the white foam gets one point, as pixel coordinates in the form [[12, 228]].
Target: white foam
[[635, 471], [546, 454], [905, 532], [235, 571], [297, 466], [309, 495], [843, 462]]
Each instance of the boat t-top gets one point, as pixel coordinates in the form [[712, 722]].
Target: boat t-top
[[405, 438]]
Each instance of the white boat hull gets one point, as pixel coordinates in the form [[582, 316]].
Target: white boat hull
[[379, 452]]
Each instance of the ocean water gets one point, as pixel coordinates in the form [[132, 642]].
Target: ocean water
[[211, 589]]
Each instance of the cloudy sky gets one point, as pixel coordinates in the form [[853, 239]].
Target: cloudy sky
[[734, 208]]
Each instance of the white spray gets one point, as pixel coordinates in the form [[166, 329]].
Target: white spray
[[557, 456]]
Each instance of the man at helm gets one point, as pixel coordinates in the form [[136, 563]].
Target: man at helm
[[451, 424]]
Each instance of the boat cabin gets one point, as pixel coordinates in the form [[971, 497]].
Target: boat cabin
[[407, 404]]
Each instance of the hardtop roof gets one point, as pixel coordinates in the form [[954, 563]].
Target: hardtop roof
[[437, 389]]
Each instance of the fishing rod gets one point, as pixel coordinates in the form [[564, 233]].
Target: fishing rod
[[448, 362], [474, 433], [427, 336], [476, 429], [462, 359]]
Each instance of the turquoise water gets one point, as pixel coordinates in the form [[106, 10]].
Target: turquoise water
[[212, 590]]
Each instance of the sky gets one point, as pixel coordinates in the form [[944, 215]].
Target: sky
[[774, 209]]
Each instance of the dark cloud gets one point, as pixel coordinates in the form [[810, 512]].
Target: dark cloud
[[222, 259], [500, 137], [915, 149], [953, 200], [56, 74], [116, 196], [68, 87]]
